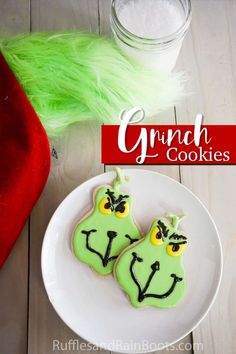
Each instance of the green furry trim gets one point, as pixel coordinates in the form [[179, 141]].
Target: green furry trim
[[74, 76]]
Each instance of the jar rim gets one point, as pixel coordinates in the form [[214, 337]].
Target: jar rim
[[152, 41]]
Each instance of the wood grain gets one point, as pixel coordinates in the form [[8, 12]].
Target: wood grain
[[78, 153], [13, 298], [77, 161], [57, 15], [167, 117], [14, 17], [208, 56]]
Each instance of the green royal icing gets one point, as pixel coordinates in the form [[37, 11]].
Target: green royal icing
[[107, 230], [151, 271]]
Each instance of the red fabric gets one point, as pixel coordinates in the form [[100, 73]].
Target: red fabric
[[24, 159]]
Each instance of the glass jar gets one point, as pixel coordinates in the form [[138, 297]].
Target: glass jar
[[151, 31]]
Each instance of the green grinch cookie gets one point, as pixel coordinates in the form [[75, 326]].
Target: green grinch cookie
[[101, 236], [151, 271]]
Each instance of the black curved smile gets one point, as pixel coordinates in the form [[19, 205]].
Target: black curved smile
[[111, 235], [142, 293]]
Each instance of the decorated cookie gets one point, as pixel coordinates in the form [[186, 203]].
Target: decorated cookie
[[151, 271], [108, 229]]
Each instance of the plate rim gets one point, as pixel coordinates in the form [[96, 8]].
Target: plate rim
[[135, 170]]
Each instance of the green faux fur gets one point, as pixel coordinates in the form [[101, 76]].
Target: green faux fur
[[74, 76]]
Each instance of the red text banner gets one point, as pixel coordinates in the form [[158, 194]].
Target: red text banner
[[169, 144]]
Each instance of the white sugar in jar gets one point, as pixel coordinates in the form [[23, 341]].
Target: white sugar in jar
[[151, 31]]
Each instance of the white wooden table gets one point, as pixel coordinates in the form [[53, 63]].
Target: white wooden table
[[28, 323]]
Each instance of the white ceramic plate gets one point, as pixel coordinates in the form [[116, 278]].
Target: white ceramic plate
[[93, 306]]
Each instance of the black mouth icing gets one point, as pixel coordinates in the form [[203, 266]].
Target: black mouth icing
[[106, 258], [142, 293], [111, 236], [131, 240]]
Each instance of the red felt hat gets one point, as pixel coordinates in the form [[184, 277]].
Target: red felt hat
[[24, 159]]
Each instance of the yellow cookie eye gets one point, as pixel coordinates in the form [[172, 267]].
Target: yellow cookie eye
[[156, 237], [105, 206], [175, 249], [122, 210]]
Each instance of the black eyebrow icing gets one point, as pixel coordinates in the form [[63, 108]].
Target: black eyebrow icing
[[115, 200], [177, 237], [177, 243], [163, 228]]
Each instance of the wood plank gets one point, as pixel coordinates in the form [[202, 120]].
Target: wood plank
[[209, 56], [167, 117], [104, 16], [13, 298], [14, 17], [78, 159], [57, 15]]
